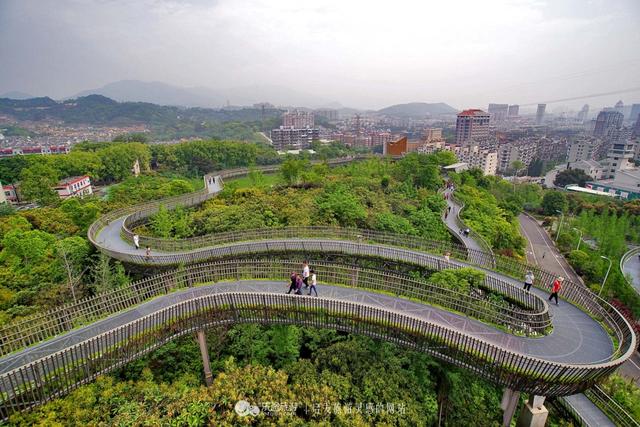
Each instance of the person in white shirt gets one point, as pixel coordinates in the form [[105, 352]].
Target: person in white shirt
[[313, 283], [528, 280], [136, 241], [305, 273]]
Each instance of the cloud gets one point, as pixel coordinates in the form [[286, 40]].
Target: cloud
[[363, 53]]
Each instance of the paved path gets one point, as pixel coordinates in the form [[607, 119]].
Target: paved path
[[451, 221], [576, 337], [632, 268], [542, 251], [538, 244], [588, 410]]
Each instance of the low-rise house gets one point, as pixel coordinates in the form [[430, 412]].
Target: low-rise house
[[77, 186]]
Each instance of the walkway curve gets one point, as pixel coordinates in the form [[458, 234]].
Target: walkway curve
[[630, 267], [555, 372]]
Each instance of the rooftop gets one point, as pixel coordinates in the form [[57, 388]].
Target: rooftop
[[473, 112]]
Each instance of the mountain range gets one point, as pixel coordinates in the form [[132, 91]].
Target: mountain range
[[418, 110], [166, 94]]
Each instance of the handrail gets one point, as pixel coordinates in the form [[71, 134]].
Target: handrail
[[532, 319], [626, 257], [476, 236], [59, 373], [611, 408], [574, 293]]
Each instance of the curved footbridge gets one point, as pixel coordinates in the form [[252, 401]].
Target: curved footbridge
[[513, 346]]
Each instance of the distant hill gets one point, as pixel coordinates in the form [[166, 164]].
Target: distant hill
[[16, 95], [165, 94], [418, 109], [100, 110]]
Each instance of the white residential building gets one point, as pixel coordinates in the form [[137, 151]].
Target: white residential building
[[78, 186]]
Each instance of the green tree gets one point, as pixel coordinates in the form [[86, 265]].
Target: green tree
[[37, 183], [553, 201], [118, 159], [161, 222], [338, 205], [107, 275], [292, 170], [571, 176], [72, 253]]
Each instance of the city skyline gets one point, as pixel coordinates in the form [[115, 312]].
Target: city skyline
[[523, 52]]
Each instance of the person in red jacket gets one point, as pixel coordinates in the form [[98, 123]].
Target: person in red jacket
[[555, 288]]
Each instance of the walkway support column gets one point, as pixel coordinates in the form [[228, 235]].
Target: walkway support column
[[204, 351], [509, 404], [533, 414]]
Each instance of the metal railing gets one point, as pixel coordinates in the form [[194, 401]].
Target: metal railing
[[58, 374], [485, 246], [530, 318], [626, 257], [616, 413]]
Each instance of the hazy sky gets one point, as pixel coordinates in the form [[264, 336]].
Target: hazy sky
[[362, 53]]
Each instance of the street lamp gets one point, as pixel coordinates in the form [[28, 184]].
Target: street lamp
[[606, 275], [579, 238], [559, 226]]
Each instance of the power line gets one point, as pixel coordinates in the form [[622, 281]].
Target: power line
[[593, 95]]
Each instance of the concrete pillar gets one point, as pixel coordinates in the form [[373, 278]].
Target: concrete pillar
[[509, 404], [533, 414], [204, 351]]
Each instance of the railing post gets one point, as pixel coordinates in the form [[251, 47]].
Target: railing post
[[509, 404], [533, 414], [204, 352]]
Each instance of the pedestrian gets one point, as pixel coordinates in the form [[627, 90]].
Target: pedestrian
[[446, 214], [555, 288], [313, 283], [466, 232], [298, 284], [543, 254], [148, 253], [528, 280], [292, 285], [448, 208], [447, 256], [136, 241], [305, 273]]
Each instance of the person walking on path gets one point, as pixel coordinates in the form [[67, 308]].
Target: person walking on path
[[528, 280], [555, 288], [298, 284], [292, 286], [136, 241], [148, 253], [447, 257], [313, 283], [305, 273]]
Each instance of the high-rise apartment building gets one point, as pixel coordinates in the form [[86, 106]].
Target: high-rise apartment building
[[472, 126], [297, 119], [635, 113], [584, 113], [327, 114], [523, 150], [619, 107], [540, 113], [484, 159], [620, 155], [514, 110], [291, 138], [498, 112], [607, 122], [582, 149]]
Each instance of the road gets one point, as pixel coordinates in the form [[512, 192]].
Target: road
[[542, 251]]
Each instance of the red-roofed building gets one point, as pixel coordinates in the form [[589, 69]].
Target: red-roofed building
[[472, 126], [77, 186], [10, 193]]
